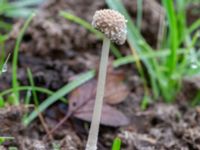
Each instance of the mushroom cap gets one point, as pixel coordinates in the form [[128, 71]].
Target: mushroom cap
[[112, 24]]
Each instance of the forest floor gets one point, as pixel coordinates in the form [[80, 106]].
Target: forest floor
[[56, 51]]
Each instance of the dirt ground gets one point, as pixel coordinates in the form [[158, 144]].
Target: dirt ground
[[56, 50]]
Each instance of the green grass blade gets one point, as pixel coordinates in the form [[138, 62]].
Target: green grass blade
[[30, 88], [35, 98], [81, 22], [21, 8], [181, 19], [194, 26], [60, 93], [3, 38], [139, 14], [157, 54], [28, 97], [26, 3], [15, 58], [170, 11], [22, 12], [116, 144], [27, 102], [2, 57]]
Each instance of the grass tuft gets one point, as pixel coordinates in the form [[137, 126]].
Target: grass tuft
[[165, 73], [15, 59]]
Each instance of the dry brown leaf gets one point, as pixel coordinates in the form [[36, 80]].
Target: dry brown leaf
[[110, 115], [81, 100], [116, 91]]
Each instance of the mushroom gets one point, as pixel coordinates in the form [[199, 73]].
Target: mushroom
[[113, 25]]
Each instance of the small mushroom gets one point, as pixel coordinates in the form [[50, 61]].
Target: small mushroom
[[113, 25]]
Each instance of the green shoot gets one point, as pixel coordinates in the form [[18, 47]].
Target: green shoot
[[116, 144]]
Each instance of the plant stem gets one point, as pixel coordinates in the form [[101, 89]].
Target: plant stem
[[94, 129]]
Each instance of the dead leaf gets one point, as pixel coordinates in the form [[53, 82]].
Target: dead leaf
[[82, 95], [116, 91], [110, 115], [81, 100]]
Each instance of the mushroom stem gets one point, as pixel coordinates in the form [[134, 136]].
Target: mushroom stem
[[96, 118]]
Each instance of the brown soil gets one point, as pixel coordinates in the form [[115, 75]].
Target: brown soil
[[56, 50]]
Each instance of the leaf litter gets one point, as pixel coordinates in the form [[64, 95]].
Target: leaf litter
[[48, 56]]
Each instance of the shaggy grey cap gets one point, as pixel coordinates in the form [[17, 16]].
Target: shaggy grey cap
[[112, 24]]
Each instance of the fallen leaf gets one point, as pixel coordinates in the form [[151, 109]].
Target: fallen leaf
[[110, 116], [81, 100], [81, 96], [116, 91]]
